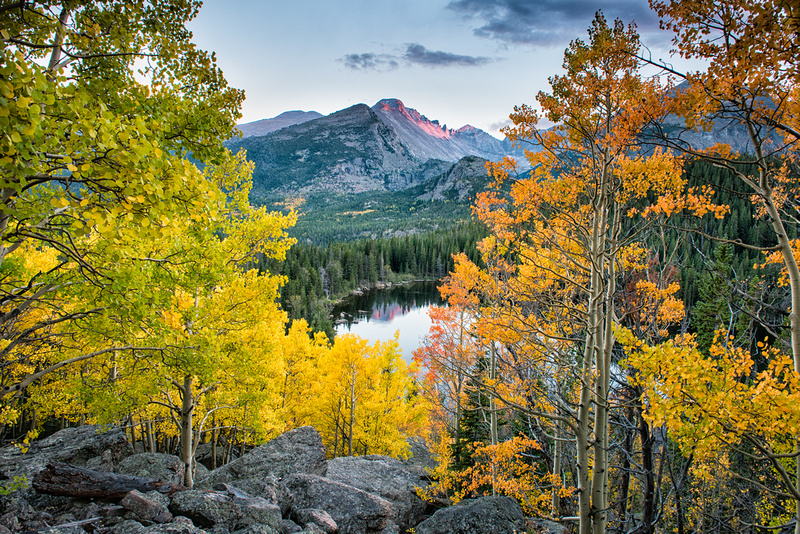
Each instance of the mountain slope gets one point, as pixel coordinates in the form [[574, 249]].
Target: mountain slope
[[287, 118], [426, 139], [350, 151]]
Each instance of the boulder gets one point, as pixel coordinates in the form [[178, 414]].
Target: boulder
[[354, 511], [147, 506], [319, 518], [179, 525], [94, 446], [206, 508], [290, 527], [258, 529], [267, 488], [153, 465], [388, 478], [200, 472], [545, 526], [254, 510], [485, 515], [127, 527], [298, 451], [421, 455]]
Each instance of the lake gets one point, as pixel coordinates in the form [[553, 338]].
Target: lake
[[378, 314]]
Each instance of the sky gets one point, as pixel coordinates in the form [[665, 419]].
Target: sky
[[456, 61]]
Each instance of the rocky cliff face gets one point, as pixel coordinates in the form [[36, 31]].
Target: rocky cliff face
[[427, 139]]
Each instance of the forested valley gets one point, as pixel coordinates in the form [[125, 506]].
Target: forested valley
[[620, 351], [317, 275]]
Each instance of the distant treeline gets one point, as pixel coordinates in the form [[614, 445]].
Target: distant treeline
[[317, 275]]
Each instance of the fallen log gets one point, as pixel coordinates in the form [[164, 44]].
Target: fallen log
[[67, 480]]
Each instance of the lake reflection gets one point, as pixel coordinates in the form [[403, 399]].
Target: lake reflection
[[378, 314]]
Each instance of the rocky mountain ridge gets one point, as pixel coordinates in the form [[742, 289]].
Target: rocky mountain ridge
[[267, 126], [386, 147]]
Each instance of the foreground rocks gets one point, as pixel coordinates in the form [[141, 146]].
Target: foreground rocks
[[297, 451], [387, 478], [281, 487], [92, 446], [488, 515]]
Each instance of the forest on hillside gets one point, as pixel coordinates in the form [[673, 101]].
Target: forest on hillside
[[317, 276], [621, 345]]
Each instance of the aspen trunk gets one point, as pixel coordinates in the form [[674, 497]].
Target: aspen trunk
[[214, 438], [555, 502], [352, 417], [793, 274], [493, 412], [151, 441], [187, 412]]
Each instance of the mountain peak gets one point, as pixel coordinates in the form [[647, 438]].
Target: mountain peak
[[395, 112], [467, 128], [391, 103]]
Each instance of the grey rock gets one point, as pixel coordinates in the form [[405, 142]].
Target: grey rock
[[4, 530], [388, 478], [104, 463], [128, 526], [267, 488], [298, 451], [320, 518], [254, 510], [153, 465], [257, 529], [10, 521], [258, 511], [206, 508], [146, 508], [200, 471], [290, 527], [354, 511], [421, 455], [485, 515], [77, 446], [180, 527], [544, 526], [391, 528]]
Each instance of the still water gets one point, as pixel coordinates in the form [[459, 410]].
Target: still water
[[378, 314]]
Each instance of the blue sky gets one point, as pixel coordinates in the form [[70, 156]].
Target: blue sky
[[458, 61]]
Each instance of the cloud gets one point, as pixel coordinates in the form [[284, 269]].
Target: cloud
[[419, 55], [370, 61], [415, 54], [548, 22]]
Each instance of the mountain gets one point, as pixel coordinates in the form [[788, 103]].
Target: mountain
[[350, 151], [287, 118], [426, 139], [387, 147]]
